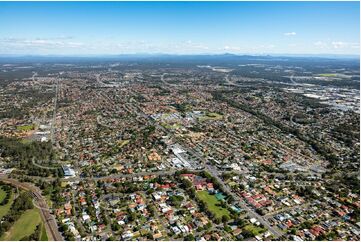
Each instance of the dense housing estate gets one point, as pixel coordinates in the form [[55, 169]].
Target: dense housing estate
[[232, 150]]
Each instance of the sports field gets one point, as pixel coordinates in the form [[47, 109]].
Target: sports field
[[210, 116], [24, 226], [213, 204], [5, 208]]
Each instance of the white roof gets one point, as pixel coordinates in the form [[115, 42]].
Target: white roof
[[253, 220]]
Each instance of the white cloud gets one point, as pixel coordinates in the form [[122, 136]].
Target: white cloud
[[48, 43], [70, 45], [265, 47], [320, 44], [290, 34], [336, 45], [339, 44], [342, 45], [232, 48], [185, 47]]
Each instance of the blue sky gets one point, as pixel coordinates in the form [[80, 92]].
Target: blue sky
[[80, 28]]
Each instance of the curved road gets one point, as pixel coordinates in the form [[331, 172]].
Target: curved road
[[45, 167]]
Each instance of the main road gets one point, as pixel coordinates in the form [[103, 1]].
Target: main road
[[109, 177], [52, 138]]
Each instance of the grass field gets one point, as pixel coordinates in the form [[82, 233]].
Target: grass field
[[43, 235], [123, 143], [171, 126], [254, 229], [26, 141], [24, 226], [48, 200], [25, 127], [5, 208], [2, 194], [213, 204], [210, 116], [328, 75]]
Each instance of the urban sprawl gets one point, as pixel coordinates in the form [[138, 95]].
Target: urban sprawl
[[230, 149]]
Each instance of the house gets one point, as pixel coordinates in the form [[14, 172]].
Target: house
[[316, 230], [176, 230], [289, 223], [67, 206], [210, 187], [86, 217], [157, 235], [65, 220], [101, 227], [127, 235], [237, 231], [253, 220], [68, 172]]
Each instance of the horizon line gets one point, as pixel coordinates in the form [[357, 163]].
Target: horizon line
[[187, 54]]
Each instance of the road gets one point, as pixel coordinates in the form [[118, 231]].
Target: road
[[52, 138], [113, 176], [48, 219], [44, 167], [97, 76], [77, 215], [117, 176], [293, 81], [286, 209], [34, 75]]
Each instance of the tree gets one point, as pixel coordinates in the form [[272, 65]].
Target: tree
[[240, 222], [189, 237], [247, 234], [227, 229], [208, 225], [115, 226], [151, 209], [217, 220], [225, 218], [132, 216], [259, 211]]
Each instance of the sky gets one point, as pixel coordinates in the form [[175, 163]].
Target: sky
[[98, 28]]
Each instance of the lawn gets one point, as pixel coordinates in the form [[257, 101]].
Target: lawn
[[43, 235], [5, 208], [210, 116], [26, 141], [328, 75], [122, 143], [2, 194], [48, 200], [254, 229], [213, 204], [171, 126], [24, 226], [26, 127]]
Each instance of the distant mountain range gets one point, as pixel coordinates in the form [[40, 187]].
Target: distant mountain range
[[171, 58], [164, 55]]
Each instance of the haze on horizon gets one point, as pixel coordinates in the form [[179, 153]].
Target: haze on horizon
[[103, 28]]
